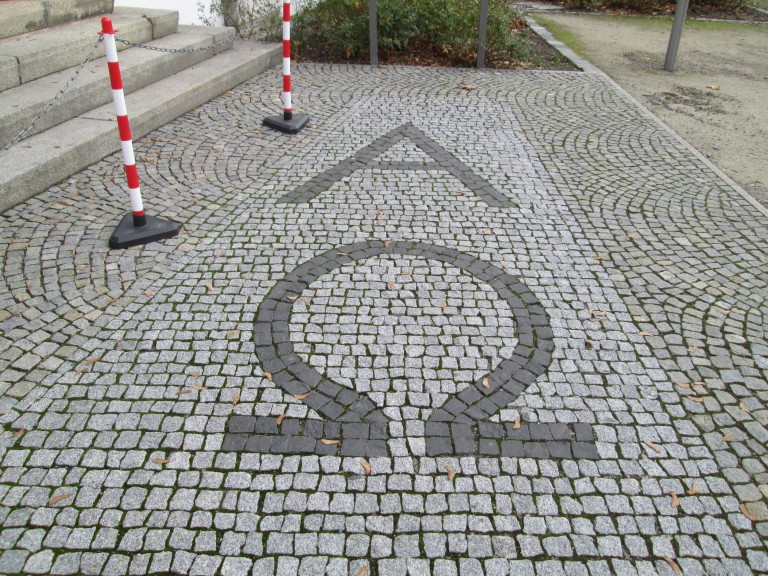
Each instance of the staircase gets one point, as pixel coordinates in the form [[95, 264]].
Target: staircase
[[42, 43]]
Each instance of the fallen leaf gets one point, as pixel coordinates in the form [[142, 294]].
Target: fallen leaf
[[443, 304], [451, 471], [267, 375], [302, 396], [468, 87], [728, 437], [461, 193], [235, 399], [195, 375], [486, 382], [279, 419], [147, 159], [92, 361], [362, 571], [503, 263], [516, 424], [149, 293], [183, 391], [366, 467], [652, 446], [293, 298], [744, 510], [342, 253], [391, 285], [232, 334], [219, 254], [695, 399], [160, 460], [675, 499], [693, 349], [18, 432], [118, 343], [209, 286], [725, 312], [714, 87], [744, 407], [59, 498], [486, 231], [682, 384], [386, 242], [328, 442], [645, 334], [379, 222], [695, 489], [698, 383], [675, 567], [588, 344], [198, 387], [596, 259], [600, 312], [405, 273]]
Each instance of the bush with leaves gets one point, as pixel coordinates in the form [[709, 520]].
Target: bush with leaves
[[448, 28]]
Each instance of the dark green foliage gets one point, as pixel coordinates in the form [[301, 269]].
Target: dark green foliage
[[445, 29]]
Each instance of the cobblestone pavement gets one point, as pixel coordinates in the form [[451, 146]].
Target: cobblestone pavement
[[514, 329]]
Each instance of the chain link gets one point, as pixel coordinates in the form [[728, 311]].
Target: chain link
[[174, 50], [54, 101]]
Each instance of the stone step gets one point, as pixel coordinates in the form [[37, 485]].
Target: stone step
[[21, 16], [46, 158], [36, 54], [139, 67]]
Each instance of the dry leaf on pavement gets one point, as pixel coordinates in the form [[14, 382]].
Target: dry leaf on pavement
[[744, 510], [302, 396], [267, 375], [235, 399], [675, 499], [366, 467], [160, 460], [695, 489], [675, 567], [279, 419], [451, 472], [728, 437], [232, 334], [516, 425], [328, 442], [486, 382], [59, 498], [652, 446]]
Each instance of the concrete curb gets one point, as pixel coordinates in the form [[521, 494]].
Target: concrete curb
[[590, 68], [45, 159]]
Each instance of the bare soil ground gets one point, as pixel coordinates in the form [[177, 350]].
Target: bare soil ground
[[717, 98]]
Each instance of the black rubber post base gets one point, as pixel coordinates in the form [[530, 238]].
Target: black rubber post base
[[127, 235], [292, 126]]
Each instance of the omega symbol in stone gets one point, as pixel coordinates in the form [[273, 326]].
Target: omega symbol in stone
[[459, 426]]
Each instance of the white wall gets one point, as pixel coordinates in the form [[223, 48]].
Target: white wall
[[188, 11]]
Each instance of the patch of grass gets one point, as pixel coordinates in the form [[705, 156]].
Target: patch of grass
[[564, 35]]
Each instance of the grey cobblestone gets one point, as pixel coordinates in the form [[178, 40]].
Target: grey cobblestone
[[573, 250]]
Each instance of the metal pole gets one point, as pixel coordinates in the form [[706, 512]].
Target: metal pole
[[674, 37], [483, 33], [373, 31]]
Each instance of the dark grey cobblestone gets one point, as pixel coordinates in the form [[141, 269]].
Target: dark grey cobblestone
[[139, 376]]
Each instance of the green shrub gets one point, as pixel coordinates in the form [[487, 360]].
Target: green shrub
[[448, 28]]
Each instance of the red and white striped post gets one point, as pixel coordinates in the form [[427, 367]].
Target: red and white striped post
[[289, 123], [136, 227]]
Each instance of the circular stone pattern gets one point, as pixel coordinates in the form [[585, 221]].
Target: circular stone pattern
[[338, 402], [408, 332]]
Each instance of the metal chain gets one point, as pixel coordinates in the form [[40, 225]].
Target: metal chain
[[172, 50], [55, 99]]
